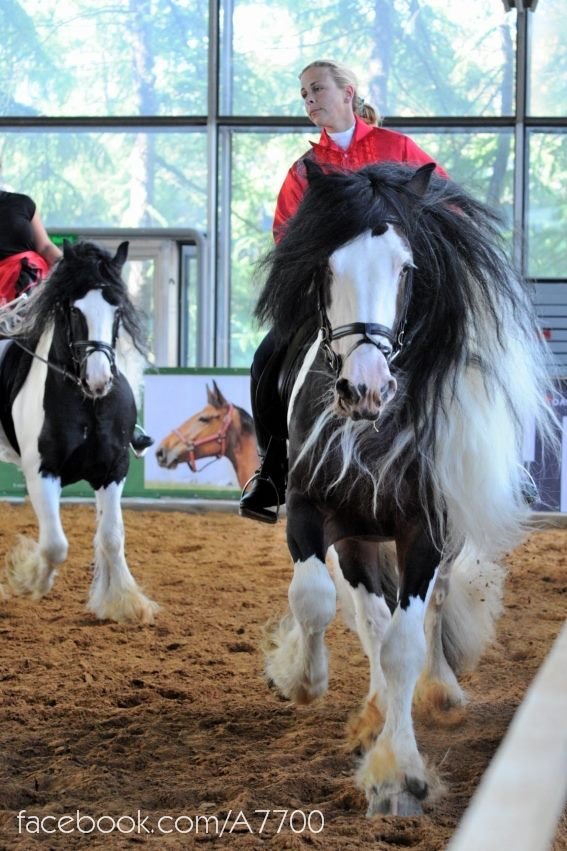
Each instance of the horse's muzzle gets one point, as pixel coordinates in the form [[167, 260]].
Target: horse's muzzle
[[98, 388], [361, 402]]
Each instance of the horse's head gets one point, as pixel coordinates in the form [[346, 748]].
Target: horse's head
[[363, 306], [204, 435], [93, 312], [344, 263], [363, 300]]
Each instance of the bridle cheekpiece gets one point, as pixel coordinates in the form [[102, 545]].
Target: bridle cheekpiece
[[390, 341]]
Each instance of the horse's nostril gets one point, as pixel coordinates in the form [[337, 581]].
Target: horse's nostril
[[388, 391], [347, 391]]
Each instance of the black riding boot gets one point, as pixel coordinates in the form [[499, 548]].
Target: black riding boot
[[267, 485], [140, 442]]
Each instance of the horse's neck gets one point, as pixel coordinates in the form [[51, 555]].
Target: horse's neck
[[52, 339], [243, 455], [46, 341]]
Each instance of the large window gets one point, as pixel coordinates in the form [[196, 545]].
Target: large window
[[143, 177], [547, 60], [176, 113], [92, 58], [434, 57], [546, 205]]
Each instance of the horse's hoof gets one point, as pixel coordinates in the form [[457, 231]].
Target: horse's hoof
[[396, 799], [391, 803]]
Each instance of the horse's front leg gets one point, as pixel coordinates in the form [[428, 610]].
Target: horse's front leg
[[30, 565], [363, 573], [114, 593], [393, 773], [296, 656]]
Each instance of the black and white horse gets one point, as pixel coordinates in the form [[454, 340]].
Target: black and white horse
[[67, 413], [405, 423]]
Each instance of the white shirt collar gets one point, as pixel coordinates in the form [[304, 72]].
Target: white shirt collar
[[343, 138]]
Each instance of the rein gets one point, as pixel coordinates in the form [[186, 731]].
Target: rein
[[87, 347], [219, 437], [60, 369], [367, 330]]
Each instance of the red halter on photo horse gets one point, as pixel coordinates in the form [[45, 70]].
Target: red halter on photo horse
[[219, 437]]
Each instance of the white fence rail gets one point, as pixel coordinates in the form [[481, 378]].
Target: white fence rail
[[522, 794]]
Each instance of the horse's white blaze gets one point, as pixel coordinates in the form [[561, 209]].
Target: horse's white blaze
[[99, 316], [366, 274]]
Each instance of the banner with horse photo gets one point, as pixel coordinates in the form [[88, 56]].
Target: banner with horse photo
[[205, 443]]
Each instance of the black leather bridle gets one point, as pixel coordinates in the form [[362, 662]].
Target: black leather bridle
[[81, 350], [391, 340]]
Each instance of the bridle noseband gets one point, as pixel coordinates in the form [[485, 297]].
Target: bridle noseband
[[81, 350], [367, 330], [219, 437]]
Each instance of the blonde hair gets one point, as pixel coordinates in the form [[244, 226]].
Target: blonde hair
[[344, 77]]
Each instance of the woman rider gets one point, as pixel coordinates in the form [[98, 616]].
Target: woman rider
[[350, 139]]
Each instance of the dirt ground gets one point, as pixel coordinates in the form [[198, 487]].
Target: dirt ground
[[176, 721]]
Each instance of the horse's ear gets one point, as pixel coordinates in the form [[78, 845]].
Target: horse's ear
[[121, 254], [419, 181], [312, 170], [215, 397]]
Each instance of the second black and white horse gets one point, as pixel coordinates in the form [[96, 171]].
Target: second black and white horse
[[405, 415], [67, 413]]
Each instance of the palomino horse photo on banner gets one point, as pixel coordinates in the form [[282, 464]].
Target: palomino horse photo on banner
[[405, 420], [219, 430], [68, 413]]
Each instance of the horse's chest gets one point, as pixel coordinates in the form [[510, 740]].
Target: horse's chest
[[85, 440]]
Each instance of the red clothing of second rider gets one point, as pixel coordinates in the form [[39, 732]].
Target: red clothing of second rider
[[368, 145]]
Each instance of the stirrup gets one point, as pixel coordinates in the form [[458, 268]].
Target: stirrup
[[141, 442], [263, 515]]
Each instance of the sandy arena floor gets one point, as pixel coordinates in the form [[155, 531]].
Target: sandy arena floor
[[176, 720]]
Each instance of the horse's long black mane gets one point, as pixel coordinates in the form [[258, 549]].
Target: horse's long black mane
[[84, 266], [462, 276], [452, 236]]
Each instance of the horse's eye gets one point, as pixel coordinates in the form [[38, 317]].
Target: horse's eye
[[205, 419]]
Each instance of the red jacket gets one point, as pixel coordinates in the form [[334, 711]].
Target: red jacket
[[36, 268], [368, 145]]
